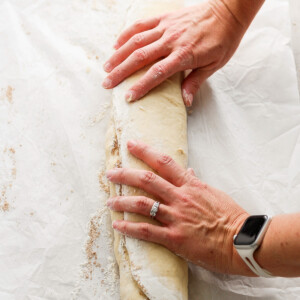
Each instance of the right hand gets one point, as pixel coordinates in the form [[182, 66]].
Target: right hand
[[198, 222]]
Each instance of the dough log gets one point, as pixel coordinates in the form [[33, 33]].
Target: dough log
[[147, 270]]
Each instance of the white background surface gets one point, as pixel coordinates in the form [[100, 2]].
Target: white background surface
[[243, 138]]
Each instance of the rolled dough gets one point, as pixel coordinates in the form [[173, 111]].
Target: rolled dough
[[147, 270]]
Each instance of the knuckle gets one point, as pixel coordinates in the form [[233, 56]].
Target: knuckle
[[165, 46], [195, 182], [173, 35], [159, 70], [156, 20], [185, 55], [138, 39], [160, 29], [121, 174], [184, 198], [194, 83], [144, 231], [175, 237], [140, 55], [142, 203], [116, 202], [148, 177], [142, 149], [138, 23], [165, 160], [124, 227]]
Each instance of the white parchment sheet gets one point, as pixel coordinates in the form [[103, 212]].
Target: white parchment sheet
[[54, 227]]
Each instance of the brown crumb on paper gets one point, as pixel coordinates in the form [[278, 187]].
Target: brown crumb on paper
[[13, 173], [9, 177], [5, 206], [9, 94]]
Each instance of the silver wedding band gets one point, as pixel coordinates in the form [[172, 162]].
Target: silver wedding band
[[154, 209]]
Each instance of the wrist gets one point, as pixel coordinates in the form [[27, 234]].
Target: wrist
[[242, 11], [280, 248], [238, 265]]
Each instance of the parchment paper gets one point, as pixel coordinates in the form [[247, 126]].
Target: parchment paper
[[243, 138]]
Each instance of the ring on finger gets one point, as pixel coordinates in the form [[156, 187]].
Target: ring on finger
[[154, 209]]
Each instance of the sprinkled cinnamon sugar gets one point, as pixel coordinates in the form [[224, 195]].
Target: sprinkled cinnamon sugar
[[98, 268], [94, 233], [9, 91], [5, 206], [9, 160], [103, 182], [115, 148]]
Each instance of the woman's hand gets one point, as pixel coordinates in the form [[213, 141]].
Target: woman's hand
[[197, 221], [202, 38]]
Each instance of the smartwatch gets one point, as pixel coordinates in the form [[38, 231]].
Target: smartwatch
[[249, 239]]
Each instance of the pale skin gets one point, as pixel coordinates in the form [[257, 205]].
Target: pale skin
[[197, 222], [201, 38]]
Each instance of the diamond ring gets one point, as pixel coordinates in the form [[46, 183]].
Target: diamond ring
[[154, 209]]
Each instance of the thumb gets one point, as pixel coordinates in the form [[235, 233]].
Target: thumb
[[192, 83]]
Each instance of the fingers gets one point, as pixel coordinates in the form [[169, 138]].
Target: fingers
[[140, 205], [137, 41], [137, 60], [137, 27], [154, 76], [165, 166], [145, 180], [192, 83], [143, 231]]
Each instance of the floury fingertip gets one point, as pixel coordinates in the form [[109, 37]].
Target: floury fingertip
[[187, 97], [130, 96]]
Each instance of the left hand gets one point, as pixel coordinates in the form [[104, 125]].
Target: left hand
[[201, 38], [197, 221]]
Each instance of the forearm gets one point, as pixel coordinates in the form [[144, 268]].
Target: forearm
[[243, 11], [279, 252]]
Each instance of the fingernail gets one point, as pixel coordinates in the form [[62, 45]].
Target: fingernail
[[116, 45], [130, 96], [107, 67], [131, 144], [106, 83], [188, 97], [109, 203], [110, 173], [114, 224]]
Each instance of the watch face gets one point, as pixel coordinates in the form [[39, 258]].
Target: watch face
[[250, 230]]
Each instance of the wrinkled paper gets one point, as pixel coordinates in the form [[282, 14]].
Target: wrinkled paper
[[54, 227]]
